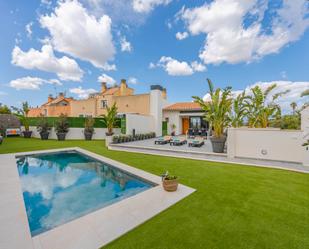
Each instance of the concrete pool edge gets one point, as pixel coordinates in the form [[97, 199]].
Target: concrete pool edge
[[93, 230]]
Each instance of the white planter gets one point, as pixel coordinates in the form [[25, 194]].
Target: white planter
[[108, 140]]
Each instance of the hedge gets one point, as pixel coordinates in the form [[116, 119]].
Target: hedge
[[74, 122]]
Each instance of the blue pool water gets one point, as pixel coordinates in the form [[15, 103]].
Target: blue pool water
[[59, 187]]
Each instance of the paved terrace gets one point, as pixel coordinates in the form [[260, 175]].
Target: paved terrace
[[202, 153]]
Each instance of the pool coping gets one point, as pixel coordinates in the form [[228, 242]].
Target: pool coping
[[92, 230]]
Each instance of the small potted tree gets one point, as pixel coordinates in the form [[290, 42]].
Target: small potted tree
[[62, 127], [217, 113], [43, 128], [89, 130], [169, 182], [109, 119]]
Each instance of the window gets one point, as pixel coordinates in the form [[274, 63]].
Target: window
[[103, 104]]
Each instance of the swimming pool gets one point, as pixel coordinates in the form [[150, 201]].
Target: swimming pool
[[61, 186]]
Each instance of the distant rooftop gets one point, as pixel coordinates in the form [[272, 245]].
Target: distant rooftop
[[183, 106]]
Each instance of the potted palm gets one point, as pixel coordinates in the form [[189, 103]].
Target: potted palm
[[217, 113], [43, 128], [109, 119], [62, 127], [89, 130], [173, 127], [169, 182]]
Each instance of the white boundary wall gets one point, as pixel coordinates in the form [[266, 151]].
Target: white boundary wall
[[268, 143], [141, 124], [75, 133]]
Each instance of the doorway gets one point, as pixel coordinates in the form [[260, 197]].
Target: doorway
[[185, 125]]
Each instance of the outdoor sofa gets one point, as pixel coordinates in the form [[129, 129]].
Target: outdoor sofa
[[163, 140], [177, 141]]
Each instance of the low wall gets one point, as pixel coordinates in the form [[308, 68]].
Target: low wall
[[75, 133], [141, 123], [269, 144]]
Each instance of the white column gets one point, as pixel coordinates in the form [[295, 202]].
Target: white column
[[305, 129], [231, 140], [156, 106]]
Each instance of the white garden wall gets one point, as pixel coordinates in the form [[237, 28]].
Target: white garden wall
[[141, 124], [173, 118], [270, 144], [75, 133]]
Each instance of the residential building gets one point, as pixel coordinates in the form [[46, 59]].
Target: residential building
[[184, 115], [54, 107]]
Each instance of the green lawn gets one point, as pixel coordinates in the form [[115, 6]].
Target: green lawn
[[233, 207]]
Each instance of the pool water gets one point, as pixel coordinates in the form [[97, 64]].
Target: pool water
[[59, 187]]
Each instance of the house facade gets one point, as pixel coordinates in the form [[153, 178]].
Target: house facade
[[96, 104], [184, 116]]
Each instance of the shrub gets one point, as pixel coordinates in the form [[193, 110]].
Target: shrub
[[62, 125]]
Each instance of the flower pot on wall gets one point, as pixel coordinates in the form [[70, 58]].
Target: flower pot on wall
[[44, 135], [61, 136], [170, 185], [108, 140], [27, 134], [218, 144]]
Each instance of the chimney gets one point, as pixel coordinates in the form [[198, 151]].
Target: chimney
[[123, 87], [61, 95], [164, 93], [103, 87], [50, 98]]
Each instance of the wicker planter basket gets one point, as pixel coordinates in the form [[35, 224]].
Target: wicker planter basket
[[170, 185]]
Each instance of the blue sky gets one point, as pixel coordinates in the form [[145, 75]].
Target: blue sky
[[53, 46]]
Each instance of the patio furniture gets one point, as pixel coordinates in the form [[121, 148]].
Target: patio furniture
[[177, 141], [13, 132], [197, 142], [163, 140], [190, 133], [204, 133], [196, 132]]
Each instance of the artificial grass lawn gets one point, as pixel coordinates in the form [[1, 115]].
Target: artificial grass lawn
[[234, 206]]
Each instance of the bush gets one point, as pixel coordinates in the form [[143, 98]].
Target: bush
[[129, 138], [62, 124]]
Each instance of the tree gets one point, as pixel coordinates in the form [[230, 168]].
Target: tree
[[293, 106], [239, 111], [4, 109], [109, 119], [217, 111], [259, 111], [22, 114]]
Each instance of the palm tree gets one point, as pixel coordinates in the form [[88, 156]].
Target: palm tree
[[109, 119], [259, 112], [217, 113], [240, 110], [293, 106]]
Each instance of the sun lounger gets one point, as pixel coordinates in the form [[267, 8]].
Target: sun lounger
[[163, 140], [197, 142], [176, 141]]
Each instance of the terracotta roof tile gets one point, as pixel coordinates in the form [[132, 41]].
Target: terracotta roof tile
[[111, 91], [183, 106]]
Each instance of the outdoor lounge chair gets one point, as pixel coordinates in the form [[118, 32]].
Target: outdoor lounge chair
[[163, 140], [197, 142], [176, 141], [190, 133]]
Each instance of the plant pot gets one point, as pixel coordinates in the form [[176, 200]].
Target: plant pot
[[61, 136], [170, 185], [88, 135], [109, 133], [218, 144], [108, 140], [44, 135], [27, 134]]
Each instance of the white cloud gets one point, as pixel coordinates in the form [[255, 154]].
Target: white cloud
[[132, 80], [181, 36], [235, 29], [283, 74], [109, 67], [31, 83], [82, 93], [145, 6], [198, 67], [125, 45], [45, 60], [28, 29], [152, 65], [178, 68], [77, 33], [108, 79], [295, 89]]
